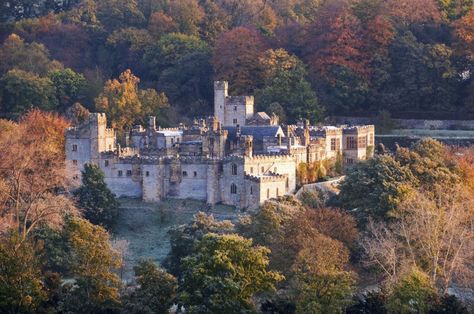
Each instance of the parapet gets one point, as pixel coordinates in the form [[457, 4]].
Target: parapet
[[269, 177]]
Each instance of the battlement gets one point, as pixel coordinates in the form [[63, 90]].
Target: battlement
[[269, 177], [358, 128], [270, 157]]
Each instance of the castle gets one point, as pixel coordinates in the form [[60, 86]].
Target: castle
[[236, 157]]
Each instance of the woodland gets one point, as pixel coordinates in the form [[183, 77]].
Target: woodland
[[300, 58]]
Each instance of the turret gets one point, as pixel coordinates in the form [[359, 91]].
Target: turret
[[220, 94]]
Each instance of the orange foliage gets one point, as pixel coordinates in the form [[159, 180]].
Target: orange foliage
[[236, 56], [160, 24], [32, 172], [464, 29], [414, 11], [333, 39]]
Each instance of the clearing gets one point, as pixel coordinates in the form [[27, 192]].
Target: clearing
[[145, 226]]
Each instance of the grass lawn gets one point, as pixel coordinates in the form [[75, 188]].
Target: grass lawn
[[145, 226]]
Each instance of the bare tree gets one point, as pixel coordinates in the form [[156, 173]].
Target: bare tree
[[32, 179], [433, 231]]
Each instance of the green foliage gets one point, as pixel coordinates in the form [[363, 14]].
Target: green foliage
[[413, 294], [183, 239], [20, 90], [375, 187], [99, 203], [69, 87], [92, 262], [285, 83], [21, 286], [156, 290], [224, 273]]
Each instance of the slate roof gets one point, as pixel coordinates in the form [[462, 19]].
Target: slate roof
[[258, 132]]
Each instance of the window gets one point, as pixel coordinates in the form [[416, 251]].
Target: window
[[263, 170], [287, 183], [211, 141], [277, 192], [74, 147], [110, 147], [234, 169], [362, 142], [275, 169], [333, 144], [147, 173], [120, 173], [74, 162], [235, 108], [371, 139], [75, 177], [268, 193], [351, 143], [251, 169], [234, 121], [172, 140], [185, 174], [129, 173], [195, 174], [106, 163], [251, 190], [349, 161], [233, 188]]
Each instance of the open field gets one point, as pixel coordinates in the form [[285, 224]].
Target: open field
[[145, 226]]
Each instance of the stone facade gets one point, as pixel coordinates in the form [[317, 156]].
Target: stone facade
[[242, 162]]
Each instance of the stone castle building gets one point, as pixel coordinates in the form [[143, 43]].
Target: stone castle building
[[236, 157]]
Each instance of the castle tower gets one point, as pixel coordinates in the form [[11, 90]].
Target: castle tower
[[220, 95]]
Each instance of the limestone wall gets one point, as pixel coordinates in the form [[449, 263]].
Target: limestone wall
[[123, 179]]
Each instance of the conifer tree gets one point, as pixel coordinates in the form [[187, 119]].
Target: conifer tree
[[98, 202]]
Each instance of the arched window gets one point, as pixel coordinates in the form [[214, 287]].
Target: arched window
[[234, 169], [233, 188]]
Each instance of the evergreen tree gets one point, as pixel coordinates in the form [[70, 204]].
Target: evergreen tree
[[99, 203]]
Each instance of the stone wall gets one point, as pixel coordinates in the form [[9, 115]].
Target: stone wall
[[411, 123]]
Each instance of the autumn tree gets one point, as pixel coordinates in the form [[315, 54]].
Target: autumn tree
[[187, 14], [125, 104], [235, 59], [32, 175], [160, 24], [224, 273], [29, 57], [432, 232]]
